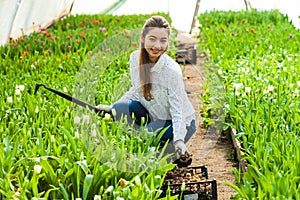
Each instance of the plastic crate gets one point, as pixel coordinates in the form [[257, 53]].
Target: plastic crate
[[186, 55], [203, 189]]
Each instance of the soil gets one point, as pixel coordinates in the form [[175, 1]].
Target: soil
[[216, 153]]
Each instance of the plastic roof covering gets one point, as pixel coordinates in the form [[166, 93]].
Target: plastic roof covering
[[19, 17], [182, 11]]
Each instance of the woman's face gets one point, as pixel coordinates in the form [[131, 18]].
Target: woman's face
[[156, 42]]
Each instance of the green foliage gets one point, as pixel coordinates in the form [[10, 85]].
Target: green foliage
[[44, 153], [256, 54]]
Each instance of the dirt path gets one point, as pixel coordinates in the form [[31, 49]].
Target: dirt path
[[218, 154]]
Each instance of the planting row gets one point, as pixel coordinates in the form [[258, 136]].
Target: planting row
[[255, 54], [50, 148]]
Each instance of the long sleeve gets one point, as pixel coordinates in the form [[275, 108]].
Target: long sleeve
[[177, 99], [132, 93]]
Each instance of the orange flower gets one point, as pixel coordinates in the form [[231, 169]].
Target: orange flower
[[68, 37], [243, 20], [122, 182], [252, 30], [133, 44], [106, 34], [82, 35]]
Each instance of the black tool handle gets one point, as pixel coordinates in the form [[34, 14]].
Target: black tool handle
[[72, 99]]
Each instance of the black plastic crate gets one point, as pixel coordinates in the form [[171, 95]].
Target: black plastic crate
[[186, 55], [195, 188]]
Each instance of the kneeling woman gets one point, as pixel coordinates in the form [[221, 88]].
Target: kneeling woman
[[157, 93]]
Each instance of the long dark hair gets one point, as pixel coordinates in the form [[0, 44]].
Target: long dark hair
[[144, 60]]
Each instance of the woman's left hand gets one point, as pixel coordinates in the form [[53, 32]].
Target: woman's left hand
[[180, 148]]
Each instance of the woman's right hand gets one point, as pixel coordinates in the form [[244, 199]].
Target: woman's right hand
[[105, 108]]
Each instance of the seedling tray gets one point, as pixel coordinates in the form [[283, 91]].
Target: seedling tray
[[197, 186]]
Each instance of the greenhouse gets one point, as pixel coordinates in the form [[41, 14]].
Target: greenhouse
[[148, 99]]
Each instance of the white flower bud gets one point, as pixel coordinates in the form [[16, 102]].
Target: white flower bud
[[9, 99], [107, 116], [86, 119], [76, 119], [17, 91], [270, 88], [36, 109], [37, 169], [248, 89]]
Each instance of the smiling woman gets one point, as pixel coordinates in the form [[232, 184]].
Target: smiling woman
[[157, 98]]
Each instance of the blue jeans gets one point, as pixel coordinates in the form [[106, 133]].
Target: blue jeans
[[135, 108]]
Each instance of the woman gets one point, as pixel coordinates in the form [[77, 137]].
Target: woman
[[157, 95]]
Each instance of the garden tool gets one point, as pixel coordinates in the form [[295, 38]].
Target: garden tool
[[99, 111], [183, 161]]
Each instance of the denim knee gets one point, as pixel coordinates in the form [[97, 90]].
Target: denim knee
[[122, 109]]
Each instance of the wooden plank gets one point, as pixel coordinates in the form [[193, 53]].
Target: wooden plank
[[239, 153]]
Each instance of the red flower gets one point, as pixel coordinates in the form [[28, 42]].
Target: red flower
[[68, 37], [243, 20], [252, 30], [43, 29]]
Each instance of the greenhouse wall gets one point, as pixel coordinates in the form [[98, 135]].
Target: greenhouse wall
[[19, 17]]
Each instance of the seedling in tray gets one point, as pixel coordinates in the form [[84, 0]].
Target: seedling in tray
[[196, 184]]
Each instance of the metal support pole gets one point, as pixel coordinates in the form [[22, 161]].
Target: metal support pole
[[195, 15]]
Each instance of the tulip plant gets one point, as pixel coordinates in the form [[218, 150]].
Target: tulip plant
[[50, 148], [256, 56]]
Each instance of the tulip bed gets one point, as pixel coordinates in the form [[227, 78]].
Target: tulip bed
[[49, 146], [256, 56]]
